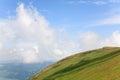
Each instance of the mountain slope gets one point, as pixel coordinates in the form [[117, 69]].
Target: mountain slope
[[99, 64]]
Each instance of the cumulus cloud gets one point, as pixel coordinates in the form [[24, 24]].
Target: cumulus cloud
[[113, 40], [25, 36], [89, 40], [28, 38]]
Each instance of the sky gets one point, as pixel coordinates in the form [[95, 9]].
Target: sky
[[33, 31]]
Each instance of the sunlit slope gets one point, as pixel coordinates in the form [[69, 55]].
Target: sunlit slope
[[99, 64]]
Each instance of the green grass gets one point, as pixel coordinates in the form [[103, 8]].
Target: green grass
[[99, 64]]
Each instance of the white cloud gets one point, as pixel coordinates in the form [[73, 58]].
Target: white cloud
[[28, 38], [89, 41], [113, 40], [24, 35], [95, 2], [1, 46], [36, 49], [112, 20], [100, 2]]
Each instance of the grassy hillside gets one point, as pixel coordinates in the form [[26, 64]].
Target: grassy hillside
[[99, 64]]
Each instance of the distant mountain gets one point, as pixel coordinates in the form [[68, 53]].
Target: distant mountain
[[99, 64], [19, 71]]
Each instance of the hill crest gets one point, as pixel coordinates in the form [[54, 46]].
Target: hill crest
[[89, 65]]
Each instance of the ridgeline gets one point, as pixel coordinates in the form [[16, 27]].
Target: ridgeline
[[99, 64]]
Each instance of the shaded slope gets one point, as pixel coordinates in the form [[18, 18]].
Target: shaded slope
[[100, 64]]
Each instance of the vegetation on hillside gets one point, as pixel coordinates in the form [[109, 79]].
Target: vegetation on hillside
[[99, 64]]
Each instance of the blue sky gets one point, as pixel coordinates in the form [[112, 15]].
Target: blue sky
[[70, 26], [71, 14]]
